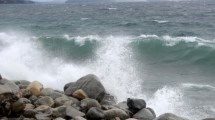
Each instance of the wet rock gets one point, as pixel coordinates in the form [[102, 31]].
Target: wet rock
[[60, 101], [90, 84], [95, 114], [45, 100], [113, 113], [169, 116], [29, 113], [80, 94], [47, 91], [23, 84], [72, 112], [123, 105], [35, 88], [135, 105], [152, 111], [86, 104], [144, 114]]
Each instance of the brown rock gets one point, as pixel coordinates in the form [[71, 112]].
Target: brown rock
[[35, 87], [80, 94]]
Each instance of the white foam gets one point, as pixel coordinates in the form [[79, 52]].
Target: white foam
[[161, 21]]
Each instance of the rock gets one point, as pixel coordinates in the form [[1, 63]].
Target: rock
[[144, 114], [33, 98], [108, 100], [43, 109], [152, 111], [169, 116], [59, 118], [7, 86], [29, 106], [35, 87], [0, 76], [42, 117], [123, 105], [79, 118], [18, 107], [131, 119], [135, 105], [73, 99], [45, 100], [47, 91], [29, 113], [24, 100], [72, 112], [69, 103], [23, 84], [60, 101], [80, 94], [26, 93], [90, 84], [95, 114], [55, 95], [113, 113], [68, 85], [86, 104], [59, 112]]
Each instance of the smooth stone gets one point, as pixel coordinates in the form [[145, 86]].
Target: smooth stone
[[108, 100], [24, 100], [33, 98], [0, 76], [35, 87], [131, 119], [47, 91], [136, 105], [29, 113], [7, 86], [68, 85], [72, 112], [95, 114], [43, 109], [123, 105], [89, 84], [59, 112], [69, 103], [113, 113], [60, 101], [45, 100], [80, 94], [26, 93], [29, 106], [42, 117], [88, 103], [59, 118], [169, 116], [18, 107], [75, 100], [144, 114], [152, 111]]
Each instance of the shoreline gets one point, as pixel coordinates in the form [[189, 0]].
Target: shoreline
[[85, 99]]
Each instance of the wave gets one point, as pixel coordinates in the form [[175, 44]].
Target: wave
[[161, 21], [199, 86]]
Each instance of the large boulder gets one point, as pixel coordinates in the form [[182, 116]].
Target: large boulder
[[47, 91], [7, 86], [136, 105], [169, 116], [35, 87], [90, 84], [144, 114]]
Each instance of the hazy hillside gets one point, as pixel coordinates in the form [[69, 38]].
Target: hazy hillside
[[15, 1], [88, 1]]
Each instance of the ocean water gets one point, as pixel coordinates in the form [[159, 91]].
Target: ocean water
[[163, 52]]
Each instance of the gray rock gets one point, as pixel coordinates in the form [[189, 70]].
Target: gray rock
[[69, 103], [26, 93], [169, 116], [68, 85], [29, 106], [95, 114], [7, 86], [144, 114], [113, 113], [60, 101], [24, 100], [108, 100], [89, 84], [59, 118], [135, 105], [86, 104], [18, 107], [43, 109], [123, 105], [33, 98], [55, 95], [47, 91], [59, 112], [152, 111], [29, 113], [209, 119], [72, 112], [42, 116], [45, 100], [0, 76]]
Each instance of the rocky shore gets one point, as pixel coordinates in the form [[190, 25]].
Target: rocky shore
[[85, 99]]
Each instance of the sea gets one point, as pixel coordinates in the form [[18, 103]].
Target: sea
[[163, 52]]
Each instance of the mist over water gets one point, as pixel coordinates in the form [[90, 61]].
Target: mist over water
[[165, 57]]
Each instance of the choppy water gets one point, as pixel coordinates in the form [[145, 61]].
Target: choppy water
[[163, 52]]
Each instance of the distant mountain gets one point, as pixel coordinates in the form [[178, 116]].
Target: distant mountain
[[88, 1], [15, 1]]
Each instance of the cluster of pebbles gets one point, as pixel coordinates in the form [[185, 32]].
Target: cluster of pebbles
[[85, 99]]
